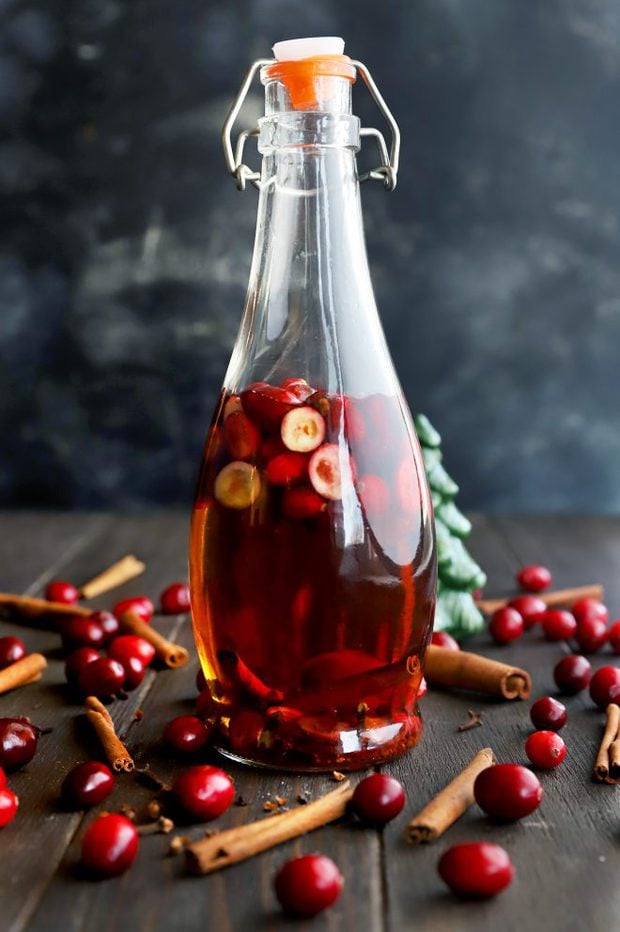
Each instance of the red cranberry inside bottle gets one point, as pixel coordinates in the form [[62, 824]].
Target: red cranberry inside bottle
[[18, 742], [140, 605], [87, 784], [81, 632], [109, 845], [201, 680], [186, 733], [572, 674], [78, 659], [506, 625], [11, 650], [558, 625], [307, 885], [605, 686], [109, 624], [591, 634], [204, 792], [548, 713], [378, 799], [443, 639], [127, 646], [8, 806], [545, 749], [530, 607], [476, 869], [534, 578], [103, 677], [174, 599], [59, 590], [507, 791]]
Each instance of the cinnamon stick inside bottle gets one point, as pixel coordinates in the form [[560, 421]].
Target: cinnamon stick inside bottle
[[460, 669]]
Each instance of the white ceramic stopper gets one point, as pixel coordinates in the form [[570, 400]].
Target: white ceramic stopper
[[296, 49]]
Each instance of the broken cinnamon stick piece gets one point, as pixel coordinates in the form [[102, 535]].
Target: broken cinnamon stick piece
[[26, 606], [173, 655], [552, 598], [238, 844], [114, 749], [607, 766], [450, 804], [460, 669], [117, 574], [24, 671]]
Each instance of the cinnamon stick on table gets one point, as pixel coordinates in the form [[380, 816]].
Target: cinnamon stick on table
[[101, 720], [28, 607], [552, 598], [607, 766], [450, 804], [117, 574], [172, 654], [460, 669], [24, 671], [238, 844]]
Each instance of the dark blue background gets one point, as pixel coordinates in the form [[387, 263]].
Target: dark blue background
[[125, 247]]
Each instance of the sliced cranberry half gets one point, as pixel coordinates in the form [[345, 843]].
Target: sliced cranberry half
[[325, 471], [302, 429], [237, 485]]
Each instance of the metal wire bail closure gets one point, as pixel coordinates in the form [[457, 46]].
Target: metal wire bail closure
[[386, 171]]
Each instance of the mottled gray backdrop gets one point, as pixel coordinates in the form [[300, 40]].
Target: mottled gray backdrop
[[125, 249]]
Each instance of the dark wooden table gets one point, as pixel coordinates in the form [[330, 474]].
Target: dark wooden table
[[566, 853]]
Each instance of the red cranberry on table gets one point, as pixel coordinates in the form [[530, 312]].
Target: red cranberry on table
[[59, 590], [78, 659], [534, 578], [11, 650], [591, 634], [530, 607], [109, 845], [103, 677], [558, 625], [506, 625], [81, 632], [186, 733], [589, 608], [507, 791], [204, 792], [545, 749], [308, 884], [8, 806], [174, 600], [476, 869], [18, 742], [377, 799], [605, 686], [109, 624], [548, 713], [134, 673], [2, 779], [87, 784], [613, 636], [131, 645], [572, 674], [443, 639], [140, 605]]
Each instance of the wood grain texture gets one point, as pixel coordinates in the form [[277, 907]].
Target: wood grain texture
[[566, 854]]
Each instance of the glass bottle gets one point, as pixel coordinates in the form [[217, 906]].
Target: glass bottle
[[312, 554]]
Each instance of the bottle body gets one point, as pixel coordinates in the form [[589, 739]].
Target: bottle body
[[312, 561]]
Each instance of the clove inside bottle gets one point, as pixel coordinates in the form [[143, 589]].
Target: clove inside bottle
[[312, 555]]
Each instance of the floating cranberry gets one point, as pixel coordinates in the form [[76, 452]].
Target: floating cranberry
[[507, 791], [605, 686], [572, 674], [373, 494], [108, 622], [558, 625], [335, 665], [591, 634], [286, 469], [241, 436], [139, 605], [548, 713], [302, 429], [613, 636], [81, 632], [18, 742], [204, 792], [266, 404], [530, 607], [307, 885], [87, 784], [103, 677], [58, 590], [545, 749], [506, 625], [109, 845], [534, 578], [237, 485], [78, 659], [298, 387], [476, 869], [186, 733], [590, 608], [174, 600], [443, 639], [302, 502], [325, 471], [377, 799], [134, 673], [8, 806], [11, 650], [131, 645]]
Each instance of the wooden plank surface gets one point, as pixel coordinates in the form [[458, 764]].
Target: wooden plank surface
[[565, 853]]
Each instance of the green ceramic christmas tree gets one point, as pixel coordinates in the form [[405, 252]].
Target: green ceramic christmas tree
[[458, 574]]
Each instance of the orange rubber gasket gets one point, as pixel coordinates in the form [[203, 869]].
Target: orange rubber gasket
[[299, 76]]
